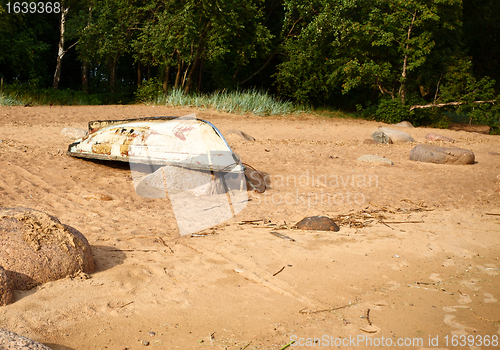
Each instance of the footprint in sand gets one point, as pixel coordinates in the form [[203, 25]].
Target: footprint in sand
[[490, 299]]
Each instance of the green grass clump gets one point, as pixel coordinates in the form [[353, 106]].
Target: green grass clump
[[248, 101], [6, 100], [19, 95]]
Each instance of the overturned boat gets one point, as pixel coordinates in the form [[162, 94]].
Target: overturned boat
[[186, 159], [186, 142]]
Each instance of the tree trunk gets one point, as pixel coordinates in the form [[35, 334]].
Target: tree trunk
[[139, 74], [179, 68], [199, 52], [60, 51], [402, 88], [85, 75], [165, 78], [112, 76]]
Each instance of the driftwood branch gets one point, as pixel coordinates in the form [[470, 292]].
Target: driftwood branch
[[447, 104]]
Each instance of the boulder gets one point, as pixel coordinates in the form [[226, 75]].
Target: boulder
[[381, 137], [12, 341], [396, 135], [436, 137], [36, 248], [404, 124], [441, 155], [6, 295], [374, 159], [317, 223]]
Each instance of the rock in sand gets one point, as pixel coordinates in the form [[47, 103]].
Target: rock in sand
[[396, 135], [404, 124], [13, 341], [381, 137], [317, 223], [6, 295], [441, 155], [436, 137], [36, 248]]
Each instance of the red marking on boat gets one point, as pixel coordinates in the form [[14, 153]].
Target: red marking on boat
[[179, 132]]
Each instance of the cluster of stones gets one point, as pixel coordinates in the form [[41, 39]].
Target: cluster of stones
[[421, 153]]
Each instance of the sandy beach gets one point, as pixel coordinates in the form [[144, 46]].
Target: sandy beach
[[415, 264]]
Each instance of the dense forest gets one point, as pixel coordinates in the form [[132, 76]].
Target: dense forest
[[391, 59]]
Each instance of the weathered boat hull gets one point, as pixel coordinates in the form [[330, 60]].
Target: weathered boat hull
[[187, 142]]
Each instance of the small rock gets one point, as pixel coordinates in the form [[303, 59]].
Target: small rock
[[242, 134], [317, 223], [152, 334], [441, 155], [10, 340], [370, 141], [6, 295], [374, 159], [396, 135], [436, 137], [73, 133], [381, 137], [145, 343], [404, 124]]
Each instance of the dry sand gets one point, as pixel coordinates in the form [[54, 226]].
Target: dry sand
[[437, 276]]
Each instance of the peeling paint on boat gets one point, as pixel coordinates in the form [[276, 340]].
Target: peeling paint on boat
[[187, 142]]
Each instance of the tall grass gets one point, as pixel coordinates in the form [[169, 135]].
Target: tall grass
[[6, 100], [248, 101], [18, 94]]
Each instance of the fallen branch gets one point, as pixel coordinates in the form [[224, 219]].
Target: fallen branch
[[493, 214], [274, 274], [304, 311], [384, 209], [385, 224], [279, 235], [447, 104], [402, 222], [368, 317]]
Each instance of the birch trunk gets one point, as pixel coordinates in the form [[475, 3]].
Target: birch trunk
[[60, 51]]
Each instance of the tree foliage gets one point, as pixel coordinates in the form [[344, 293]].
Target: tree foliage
[[393, 59]]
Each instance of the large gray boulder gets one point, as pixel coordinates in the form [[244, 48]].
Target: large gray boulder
[[13, 341], [36, 248], [441, 155], [395, 135]]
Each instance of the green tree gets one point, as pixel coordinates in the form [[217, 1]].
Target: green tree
[[386, 45]]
